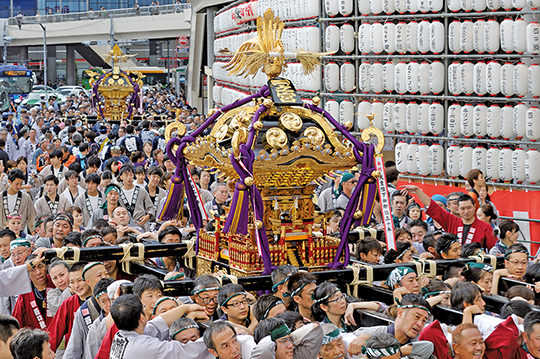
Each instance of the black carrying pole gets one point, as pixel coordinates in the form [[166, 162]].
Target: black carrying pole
[[108, 253]]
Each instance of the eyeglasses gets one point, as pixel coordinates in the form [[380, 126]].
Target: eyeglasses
[[207, 300], [238, 304], [285, 340], [338, 299], [517, 263]]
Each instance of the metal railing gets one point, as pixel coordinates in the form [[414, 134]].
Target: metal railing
[[105, 14]]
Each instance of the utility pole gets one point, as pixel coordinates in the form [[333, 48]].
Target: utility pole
[[44, 49], [6, 40]]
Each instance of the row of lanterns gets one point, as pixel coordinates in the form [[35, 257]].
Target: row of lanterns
[[234, 17], [463, 36], [306, 38], [491, 36], [376, 7], [497, 164], [223, 95], [376, 77], [519, 121], [493, 78]]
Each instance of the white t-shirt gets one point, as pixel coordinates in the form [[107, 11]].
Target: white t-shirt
[[12, 200], [94, 203], [129, 194]]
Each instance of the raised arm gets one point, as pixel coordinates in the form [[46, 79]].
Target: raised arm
[[424, 198]]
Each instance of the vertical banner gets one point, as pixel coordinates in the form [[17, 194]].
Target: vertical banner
[[385, 204]]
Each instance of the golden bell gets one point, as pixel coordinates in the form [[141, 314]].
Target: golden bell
[[248, 181], [316, 100], [358, 214], [258, 224], [211, 112], [268, 103], [376, 174], [348, 125], [258, 125]]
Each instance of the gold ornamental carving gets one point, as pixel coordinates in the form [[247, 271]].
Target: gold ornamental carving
[[276, 137], [291, 121]]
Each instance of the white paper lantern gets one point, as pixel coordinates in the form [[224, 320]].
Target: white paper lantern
[[479, 158], [466, 73], [505, 164], [400, 6], [534, 4], [346, 38], [492, 163], [436, 34], [479, 78], [533, 123], [388, 76], [436, 118], [466, 120], [518, 165], [507, 79], [436, 159], [377, 108], [332, 107], [332, 38], [376, 77], [423, 118], [478, 36], [412, 83], [519, 120], [507, 35], [466, 5], [400, 37], [435, 5], [491, 36], [534, 84], [376, 7], [519, 33], [376, 37], [423, 40], [388, 117], [364, 74], [454, 5], [493, 4], [389, 37], [467, 37], [331, 76], [364, 108], [480, 120], [423, 78], [400, 78], [388, 6], [506, 4], [493, 78], [479, 5], [347, 78], [346, 111], [411, 6], [364, 7], [411, 117], [436, 77], [331, 7], [422, 159], [493, 121], [454, 77], [411, 36], [364, 33], [400, 120], [411, 158], [346, 7], [465, 160], [454, 37], [507, 126], [533, 38], [521, 73], [532, 169], [400, 152], [423, 6], [519, 4], [454, 120], [452, 161]]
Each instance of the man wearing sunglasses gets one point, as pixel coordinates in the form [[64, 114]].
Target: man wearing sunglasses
[[346, 187]]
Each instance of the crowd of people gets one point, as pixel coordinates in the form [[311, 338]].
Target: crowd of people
[[65, 182]]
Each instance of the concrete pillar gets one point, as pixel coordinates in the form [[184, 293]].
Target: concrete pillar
[[153, 55], [51, 64], [23, 55], [71, 69]]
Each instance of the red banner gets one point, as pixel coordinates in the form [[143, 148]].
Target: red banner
[[519, 204]]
